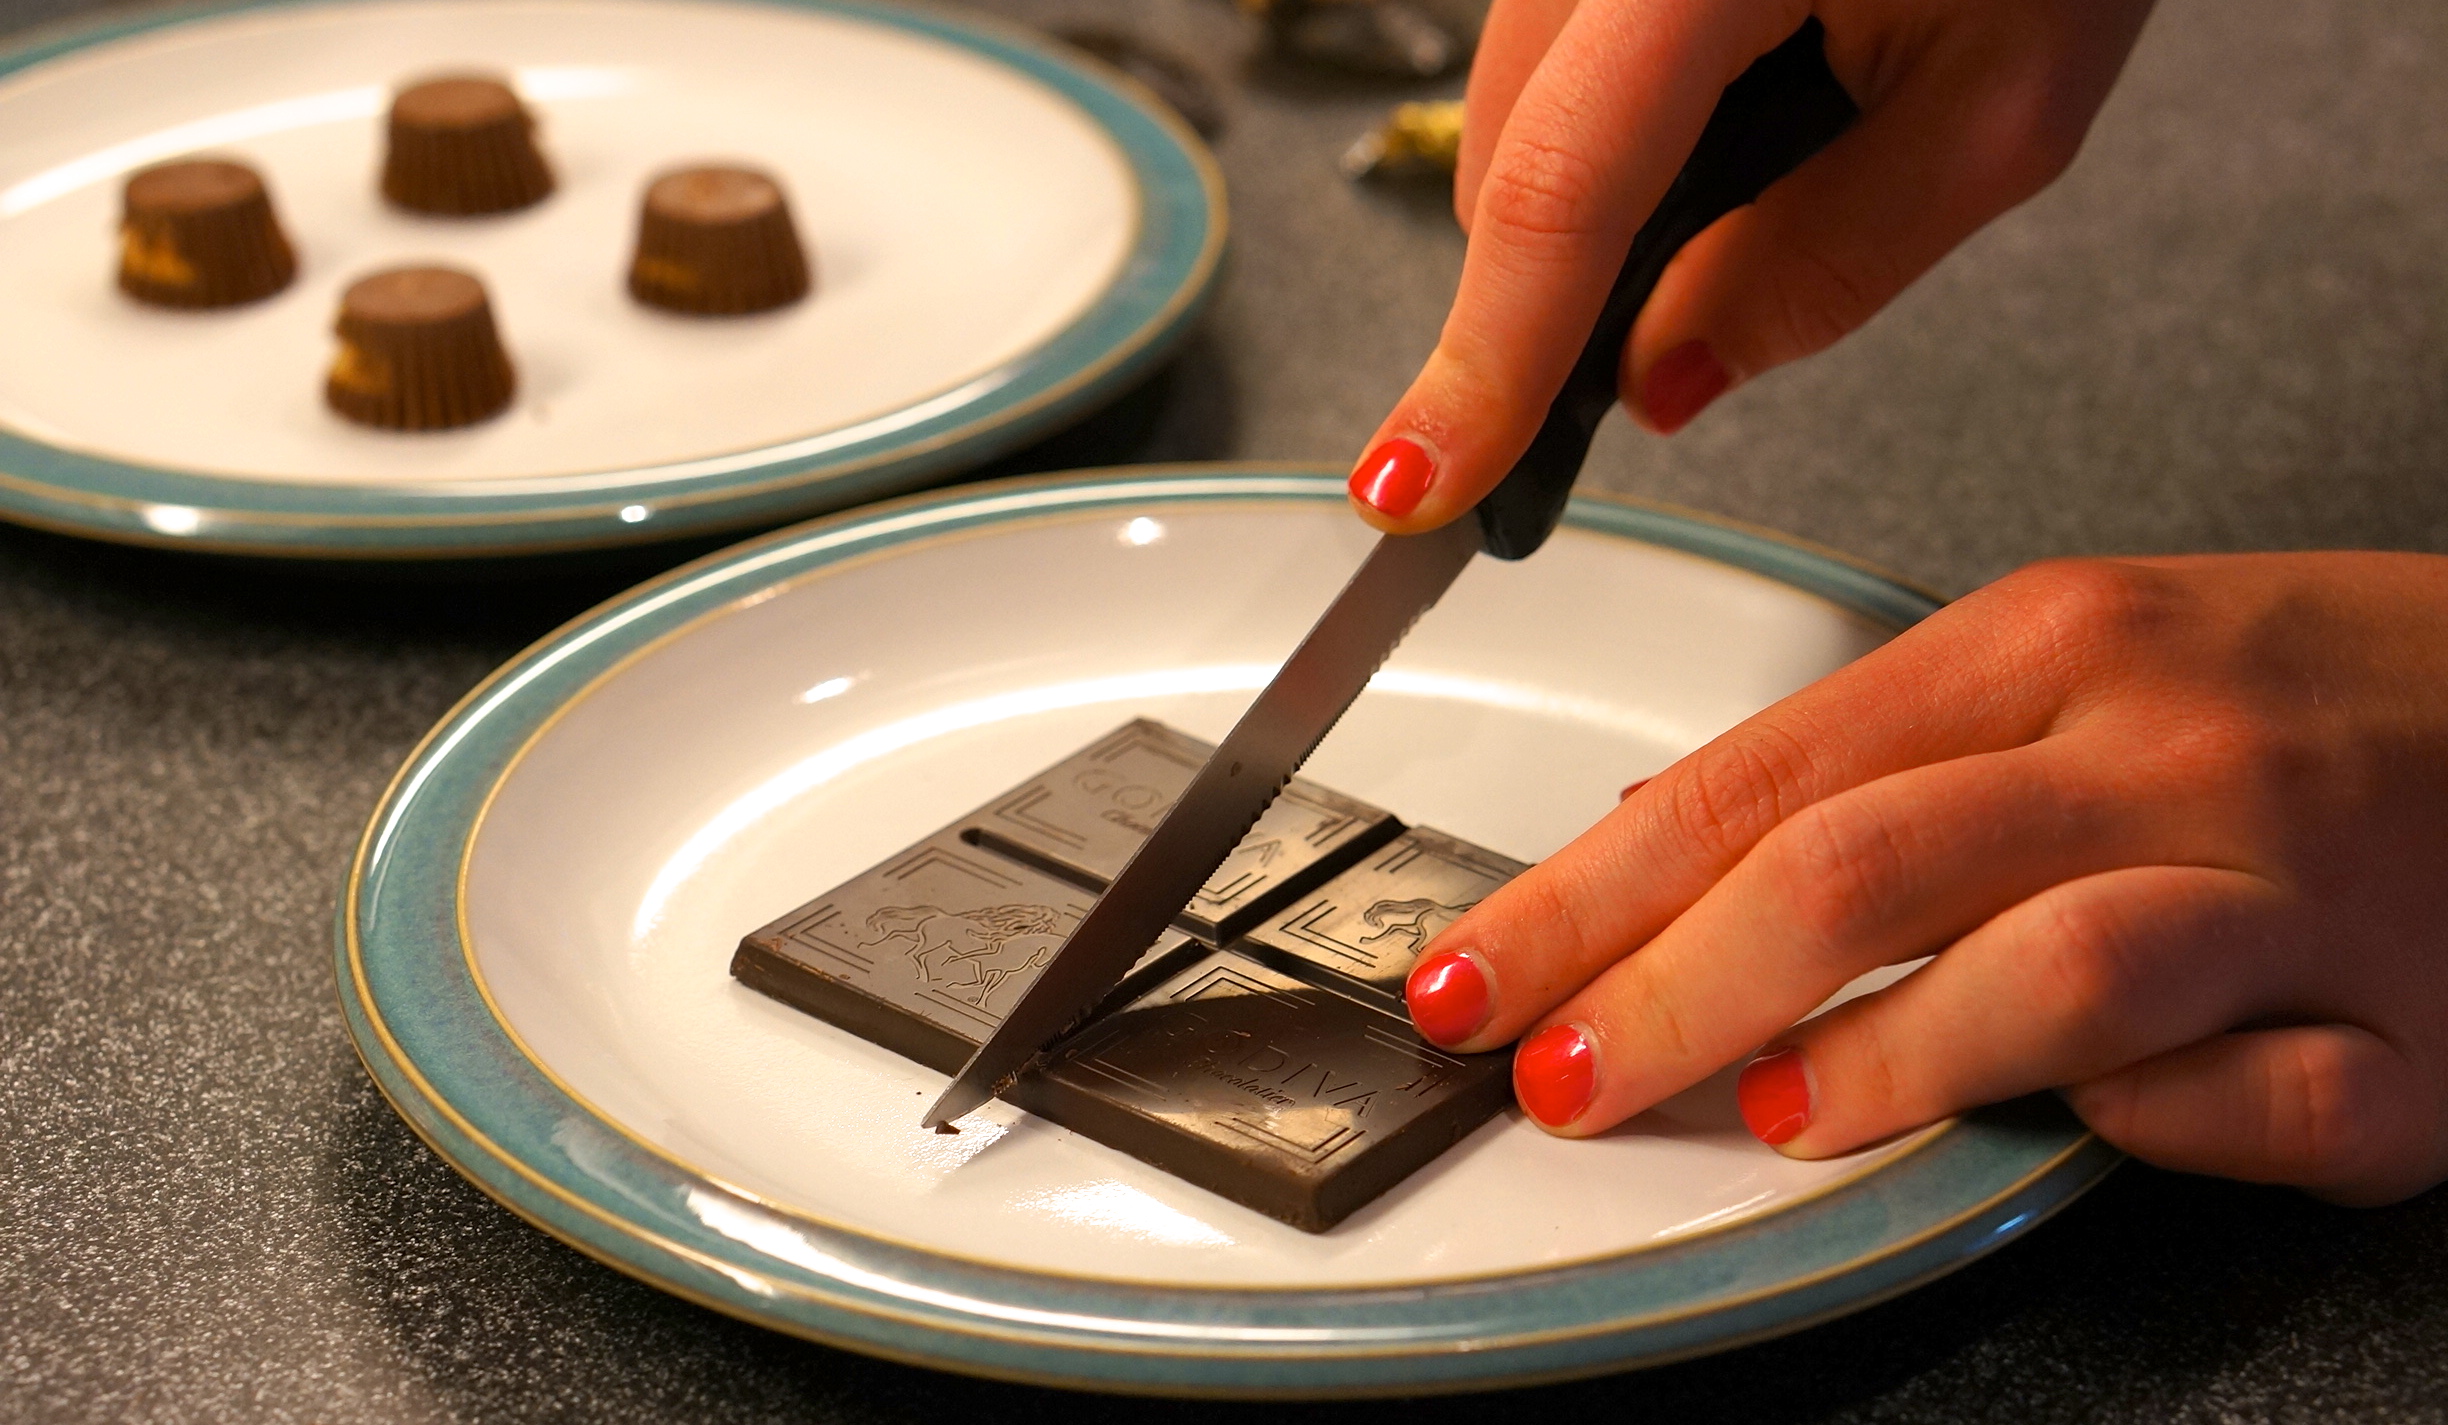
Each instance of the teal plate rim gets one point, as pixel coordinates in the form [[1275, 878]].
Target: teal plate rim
[[1162, 285], [421, 1024]]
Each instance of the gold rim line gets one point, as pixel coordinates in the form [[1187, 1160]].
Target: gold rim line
[[1887, 1158], [441, 1107], [1162, 324]]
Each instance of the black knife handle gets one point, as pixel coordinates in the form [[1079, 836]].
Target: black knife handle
[[1780, 111]]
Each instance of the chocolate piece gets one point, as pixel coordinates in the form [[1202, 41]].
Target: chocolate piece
[[462, 146], [200, 233], [1367, 925], [1284, 1097], [418, 352], [923, 954], [1083, 817], [717, 242]]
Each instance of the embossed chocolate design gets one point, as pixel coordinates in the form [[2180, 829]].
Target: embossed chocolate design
[[922, 954], [1370, 922], [1083, 817], [1296, 1087], [1282, 1096]]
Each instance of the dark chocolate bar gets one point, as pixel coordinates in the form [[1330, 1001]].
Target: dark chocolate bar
[[1368, 924], [1301, 1091], [1083, 817], [1284, 1097]]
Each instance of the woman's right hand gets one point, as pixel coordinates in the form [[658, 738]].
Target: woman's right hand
[[1580, 114]]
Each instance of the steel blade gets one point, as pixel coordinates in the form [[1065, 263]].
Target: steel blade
[[1400, 580]]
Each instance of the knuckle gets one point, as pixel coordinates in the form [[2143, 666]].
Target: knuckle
[[2093, 982], [1839, 864], [1870, 1084], [2320, 1128], [1817, 297], [2033, 134], [1737, 788], [1543, 191], [1547, 909], [2083, 609], [2111, 1106]]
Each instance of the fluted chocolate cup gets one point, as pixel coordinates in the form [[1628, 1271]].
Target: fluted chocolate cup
[[418, 351], [717, 242], [201, 233], [462, 146]]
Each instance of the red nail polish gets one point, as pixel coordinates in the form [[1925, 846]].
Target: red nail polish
[[1636, 786], [1681, 385], [1554, 1074], [1775, 1096], [1448, 994], [1393, 478]]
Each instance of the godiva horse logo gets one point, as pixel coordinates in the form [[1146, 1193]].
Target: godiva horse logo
[[1419, 920], [971, 954]]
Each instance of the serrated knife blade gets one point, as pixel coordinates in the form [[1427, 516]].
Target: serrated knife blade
[[1399, 581]]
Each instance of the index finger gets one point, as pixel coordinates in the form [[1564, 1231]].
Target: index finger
[[1973, 678], [1599, 131]]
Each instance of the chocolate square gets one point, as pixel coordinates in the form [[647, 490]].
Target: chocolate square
[[1083, 817], [1368, 924], [1286, 1098], [923, 955]]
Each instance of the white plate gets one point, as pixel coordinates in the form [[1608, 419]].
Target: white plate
[[970, 199], [746, 733]]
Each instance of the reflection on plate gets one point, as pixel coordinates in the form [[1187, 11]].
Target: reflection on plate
[[534, 941], [1003, 237]]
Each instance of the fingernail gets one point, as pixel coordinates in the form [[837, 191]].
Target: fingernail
[[1775, 1096], [1636, 786], [1554, 1074], [1448, 994], [1394, 477], [1681, 385]]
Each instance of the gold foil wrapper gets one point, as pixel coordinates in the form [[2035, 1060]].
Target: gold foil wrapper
[[1415, 137]]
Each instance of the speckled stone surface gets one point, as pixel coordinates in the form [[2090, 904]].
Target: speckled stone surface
[[2226, 328]]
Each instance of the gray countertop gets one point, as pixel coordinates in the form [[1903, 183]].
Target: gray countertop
[[2226, 328]]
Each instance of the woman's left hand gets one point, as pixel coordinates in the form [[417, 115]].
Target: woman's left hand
[[2176, 831]]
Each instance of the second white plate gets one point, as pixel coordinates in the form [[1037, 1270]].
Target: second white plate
[[1000, 234]]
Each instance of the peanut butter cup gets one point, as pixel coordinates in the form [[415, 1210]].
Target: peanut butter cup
[[717, 242], [463, 146], [418, 351], [200, 233]]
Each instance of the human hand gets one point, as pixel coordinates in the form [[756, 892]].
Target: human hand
[[2176, 831], [1580, 112]]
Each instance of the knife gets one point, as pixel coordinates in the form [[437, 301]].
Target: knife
[[1780, 111]]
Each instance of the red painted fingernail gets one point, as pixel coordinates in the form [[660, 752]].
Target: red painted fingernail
[[1636, 786], [1448, 994], [1681, 385], [1775, 1096], [1554, 1074], [1394, 477]]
